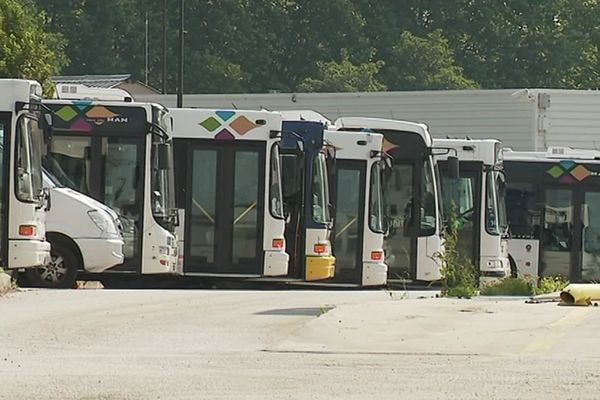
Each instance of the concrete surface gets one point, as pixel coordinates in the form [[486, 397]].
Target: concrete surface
[[146, 344]]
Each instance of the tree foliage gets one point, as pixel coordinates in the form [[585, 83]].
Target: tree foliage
[[26, 50], [344, 77], [290, 45]]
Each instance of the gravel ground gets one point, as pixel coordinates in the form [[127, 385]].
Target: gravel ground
[[146, 344]]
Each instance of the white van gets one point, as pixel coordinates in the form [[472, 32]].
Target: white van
[[85, 235]]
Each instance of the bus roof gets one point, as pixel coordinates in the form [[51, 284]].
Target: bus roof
[[219, 124], [488, 151], [354, 145], [387, 125], [553, 154], [14, 90]]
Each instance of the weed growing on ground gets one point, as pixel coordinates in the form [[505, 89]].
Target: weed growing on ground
[[550, 284], [525, 286], [459, 275], [509, 287]]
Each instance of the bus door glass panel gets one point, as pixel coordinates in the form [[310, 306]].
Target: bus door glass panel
[[347, 243], [3, 186], [399, 243], [203, 207], [460, 201], [292, 179], [557, 233], [69, 161], [122, 178], [590, 255], [245, 224]]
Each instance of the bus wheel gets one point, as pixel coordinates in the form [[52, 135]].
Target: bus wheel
[[513, 267], [61, 273]]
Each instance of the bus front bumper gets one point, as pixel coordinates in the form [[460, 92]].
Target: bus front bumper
[[100, 254], [276, 263], [374, 274], [319, 267], [28, 253]]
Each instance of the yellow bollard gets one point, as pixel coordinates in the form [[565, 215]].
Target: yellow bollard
[[580, 294]]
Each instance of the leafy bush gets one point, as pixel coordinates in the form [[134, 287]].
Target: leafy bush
[[459, 275], [509, 287], [525, 287], [551, 284]]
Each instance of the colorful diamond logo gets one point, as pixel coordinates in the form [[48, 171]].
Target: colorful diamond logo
[[225, 115], [555, 171], [210, 124], [224, 134], [580, 173], [81, 125], [82, 104], [387, 145], [567, 164], [566, 179], [66, 113], [100, 112], [242, 125]]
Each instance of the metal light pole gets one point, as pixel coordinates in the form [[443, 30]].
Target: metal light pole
[[164, 48], [181, 33]]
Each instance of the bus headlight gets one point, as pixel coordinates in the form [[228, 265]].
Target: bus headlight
[[102, 221]]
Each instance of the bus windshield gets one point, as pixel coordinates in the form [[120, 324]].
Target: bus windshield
[[501, 190], [163, 194], [30, 144], [492, 221], [320, 191], [376, 199], [428, 216], [275, 195]]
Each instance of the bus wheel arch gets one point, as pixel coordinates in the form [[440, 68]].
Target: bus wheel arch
[[64, 249], [513, 266]]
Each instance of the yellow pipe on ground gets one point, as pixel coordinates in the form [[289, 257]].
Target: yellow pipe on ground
[[580, 294]]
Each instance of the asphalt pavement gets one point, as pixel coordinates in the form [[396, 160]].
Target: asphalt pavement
[[219, 344]]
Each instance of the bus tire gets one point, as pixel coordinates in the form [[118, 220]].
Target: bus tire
[[61, 273], [513, 267]]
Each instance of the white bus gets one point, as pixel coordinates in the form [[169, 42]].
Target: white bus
[[553, 206], [477, 198], [412, 198], [93, 244], [228, 183], [306, 174], [120, 154], [23, 201], [358, 230]]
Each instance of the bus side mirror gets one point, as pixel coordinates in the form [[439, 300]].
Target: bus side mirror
[[163, 152], [453, 167]]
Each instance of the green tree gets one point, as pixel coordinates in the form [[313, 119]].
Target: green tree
[[416, 63], [343, 77], [26, 50], [519, 43]]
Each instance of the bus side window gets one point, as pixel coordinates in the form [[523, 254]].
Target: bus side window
[[522, 212]]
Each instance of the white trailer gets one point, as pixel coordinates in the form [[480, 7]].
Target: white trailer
[[523, 119]]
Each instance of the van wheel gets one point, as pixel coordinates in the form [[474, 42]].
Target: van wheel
[[61, 273]]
